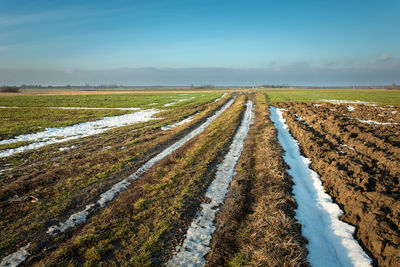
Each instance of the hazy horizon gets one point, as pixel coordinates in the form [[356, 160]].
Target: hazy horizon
[[178, 42]]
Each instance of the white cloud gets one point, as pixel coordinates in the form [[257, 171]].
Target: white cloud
[[384, 57]]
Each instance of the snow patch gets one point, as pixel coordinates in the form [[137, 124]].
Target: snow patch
[[198, 236], [57, 135], [331, 241], [177, 101], [336, 101], [377, 122], [122, 185], [16, 258], [349, 147], [73, 220], [188, 119], [350, 108], [298, 117], [93, 108], [66, 148], [220, 97]]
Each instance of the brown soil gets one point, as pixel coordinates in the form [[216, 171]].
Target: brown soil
[[256, 224], [359, 166]]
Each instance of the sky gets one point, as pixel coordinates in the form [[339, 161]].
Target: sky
[[183, 42]]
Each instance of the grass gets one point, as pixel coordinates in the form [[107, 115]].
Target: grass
[[381, 97], [141, 100], [144, 220], [34, 118]]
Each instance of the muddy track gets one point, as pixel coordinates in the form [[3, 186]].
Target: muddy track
[[362, 179], [168, 184], [41, 179], [256, 224]]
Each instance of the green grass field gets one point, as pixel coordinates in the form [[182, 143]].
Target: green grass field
[[33, 116], [380, 97], [142, 100]]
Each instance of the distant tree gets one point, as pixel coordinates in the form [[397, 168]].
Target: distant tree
[[9, 89]]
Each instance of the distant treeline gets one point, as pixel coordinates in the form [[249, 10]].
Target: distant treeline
[[15, 89], [9, 89]]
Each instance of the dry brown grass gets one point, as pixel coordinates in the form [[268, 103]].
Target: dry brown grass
[[269, 236]]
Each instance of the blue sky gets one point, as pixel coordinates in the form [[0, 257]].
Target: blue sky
[[176, 42]]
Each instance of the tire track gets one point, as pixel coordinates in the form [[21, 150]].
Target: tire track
[[195, 246]]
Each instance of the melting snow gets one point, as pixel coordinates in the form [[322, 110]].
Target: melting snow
[[349, 147], [188, 119], [16, 258], [73, 220], [107, 196], [335, 101], [298, 117], [220, 97], [350, 108], [56, 135], [66, 148], [331, 241], [376, 122], [198, 237], [94, 108], [177, 101]]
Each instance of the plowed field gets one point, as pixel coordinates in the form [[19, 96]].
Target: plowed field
[[359, 166]]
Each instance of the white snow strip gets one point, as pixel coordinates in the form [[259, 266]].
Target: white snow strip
[[188, 119], [220, 97], [93, 108], [316, 105], [394, 112], [350, 108], [177, 101], [75, 108], [74, 219], [57, 135], [198, 237], [336, 101], [66, 148], [122, 185], [377, 122], [331, 241], [16, 258]]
